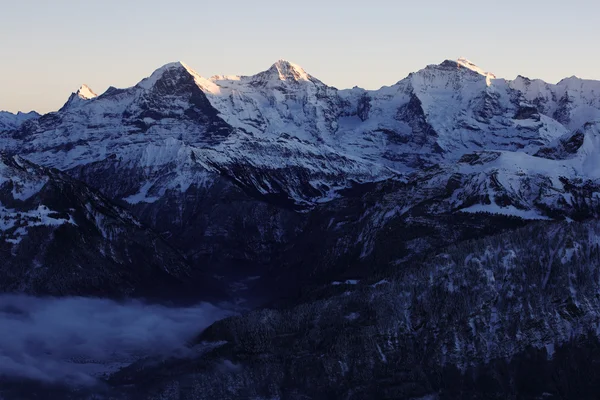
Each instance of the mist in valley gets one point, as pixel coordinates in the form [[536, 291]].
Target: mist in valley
[[75, 341]]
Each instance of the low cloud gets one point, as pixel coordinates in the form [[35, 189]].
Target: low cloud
[[75, 340]]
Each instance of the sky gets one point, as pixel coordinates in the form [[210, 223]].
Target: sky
[[49, 48]]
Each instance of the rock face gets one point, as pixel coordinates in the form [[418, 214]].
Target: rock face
[[431, 238]]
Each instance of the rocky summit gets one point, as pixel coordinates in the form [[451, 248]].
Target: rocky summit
[[433, 239]]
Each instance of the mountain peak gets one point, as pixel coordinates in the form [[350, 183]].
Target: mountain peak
[[462, 66], [284, 70], [570, 79], [177, 67], [10, 120], [79, 98], [465, 63], [173, 65], [86, 93]]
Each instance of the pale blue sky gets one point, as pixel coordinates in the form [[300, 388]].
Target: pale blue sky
[[49, 48]]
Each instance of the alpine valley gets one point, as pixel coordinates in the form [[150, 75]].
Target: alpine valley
[[433, 239]]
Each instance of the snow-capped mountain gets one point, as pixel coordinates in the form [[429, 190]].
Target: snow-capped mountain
[[572, 101], [168, 115], [437, 113], [284, 118], [10, 121], [286, 134], [453, 137], [281, 100], [275, 185], [84, 93]]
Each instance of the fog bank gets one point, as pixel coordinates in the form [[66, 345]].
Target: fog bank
[[74, 340]]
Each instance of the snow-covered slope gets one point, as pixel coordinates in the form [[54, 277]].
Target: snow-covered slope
[[281, 100], [168, 119], [572, 102], [463, 62], [10, 121], [437, 113], [283, 132], [122, 122], [451, 109], [507, 183]]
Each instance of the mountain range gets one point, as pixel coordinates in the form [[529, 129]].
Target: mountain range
[[446, 224]]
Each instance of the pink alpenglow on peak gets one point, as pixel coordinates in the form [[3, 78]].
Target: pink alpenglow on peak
[[86, 93], [178, 67], [462, 61]]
